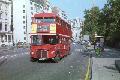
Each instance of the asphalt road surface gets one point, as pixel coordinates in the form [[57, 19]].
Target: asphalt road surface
[[19, 67]]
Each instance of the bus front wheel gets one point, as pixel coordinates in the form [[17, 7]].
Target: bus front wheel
[[57, 57]]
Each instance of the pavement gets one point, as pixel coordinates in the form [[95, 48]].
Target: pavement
[[10, 52], [103, 67], [117, 64]]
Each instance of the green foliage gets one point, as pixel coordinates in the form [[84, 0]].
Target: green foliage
[[106, 22], [91, 18]]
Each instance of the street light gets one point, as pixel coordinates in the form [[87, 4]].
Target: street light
[[11, 27]]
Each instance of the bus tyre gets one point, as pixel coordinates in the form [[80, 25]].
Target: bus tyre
[[33, 59], [69, 51], [57, 57]]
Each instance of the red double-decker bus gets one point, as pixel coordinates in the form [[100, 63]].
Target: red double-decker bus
[[50, 37]]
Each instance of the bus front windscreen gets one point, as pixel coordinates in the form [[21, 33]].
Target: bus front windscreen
[[50, 39], [44, 39], [36, 40]]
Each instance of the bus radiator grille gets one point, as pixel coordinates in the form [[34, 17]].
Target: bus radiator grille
[[42, 53]]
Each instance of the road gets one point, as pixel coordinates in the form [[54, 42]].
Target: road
[[17, 66]]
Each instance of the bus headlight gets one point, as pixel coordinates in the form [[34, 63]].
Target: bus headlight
[[32, 53]]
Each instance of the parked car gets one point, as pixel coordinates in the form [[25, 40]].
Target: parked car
[[20, 44], [84, 42], [3, 45]]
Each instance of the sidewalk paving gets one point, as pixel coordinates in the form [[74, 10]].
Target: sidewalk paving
[[10, 50], [117, 64], [7, 52], [103, 67]]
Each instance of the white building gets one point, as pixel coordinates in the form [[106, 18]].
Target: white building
[[63, 15], [59, 12], [6, 35], [23, 10], [76, 29]]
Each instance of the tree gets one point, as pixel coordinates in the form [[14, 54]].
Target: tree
[[111, 12], [91, 21], [104, 22]]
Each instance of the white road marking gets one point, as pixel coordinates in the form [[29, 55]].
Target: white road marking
[[7, 55], [1, 57], [14, 55], [25, 53], [69, 72], [71, 66], [80, 50], [11, 56]]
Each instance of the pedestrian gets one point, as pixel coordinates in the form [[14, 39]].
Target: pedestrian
[[98, 48], [13, 44]]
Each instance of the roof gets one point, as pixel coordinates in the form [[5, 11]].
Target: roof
[[45, 15], [48, 15], [99, 36]]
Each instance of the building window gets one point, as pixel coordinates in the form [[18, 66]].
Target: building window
[[24, 38], [5, 38], [23, 22], [12, 37], [32, 13], [6, 14], [0, 15], [0, 26], [6, 6], [5, 27], [24, 32], [31, 3], [9, 38], [31, 8], [0, 6], [2, 40], [23, 27], [23, 11], [40, 7], [11, 28], [23, 17], [23, 6]]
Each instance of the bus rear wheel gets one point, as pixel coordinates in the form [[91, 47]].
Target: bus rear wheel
[[57, 57], [33, 59]]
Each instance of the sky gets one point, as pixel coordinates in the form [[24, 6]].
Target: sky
[[76, 8]]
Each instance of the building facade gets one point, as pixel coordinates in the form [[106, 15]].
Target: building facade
[[76, 24], [19, 20], [22, 12], [6, 33]]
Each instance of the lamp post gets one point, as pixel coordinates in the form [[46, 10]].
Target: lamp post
[[11, 27]]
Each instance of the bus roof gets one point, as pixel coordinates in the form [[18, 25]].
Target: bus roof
[[45, 15]]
